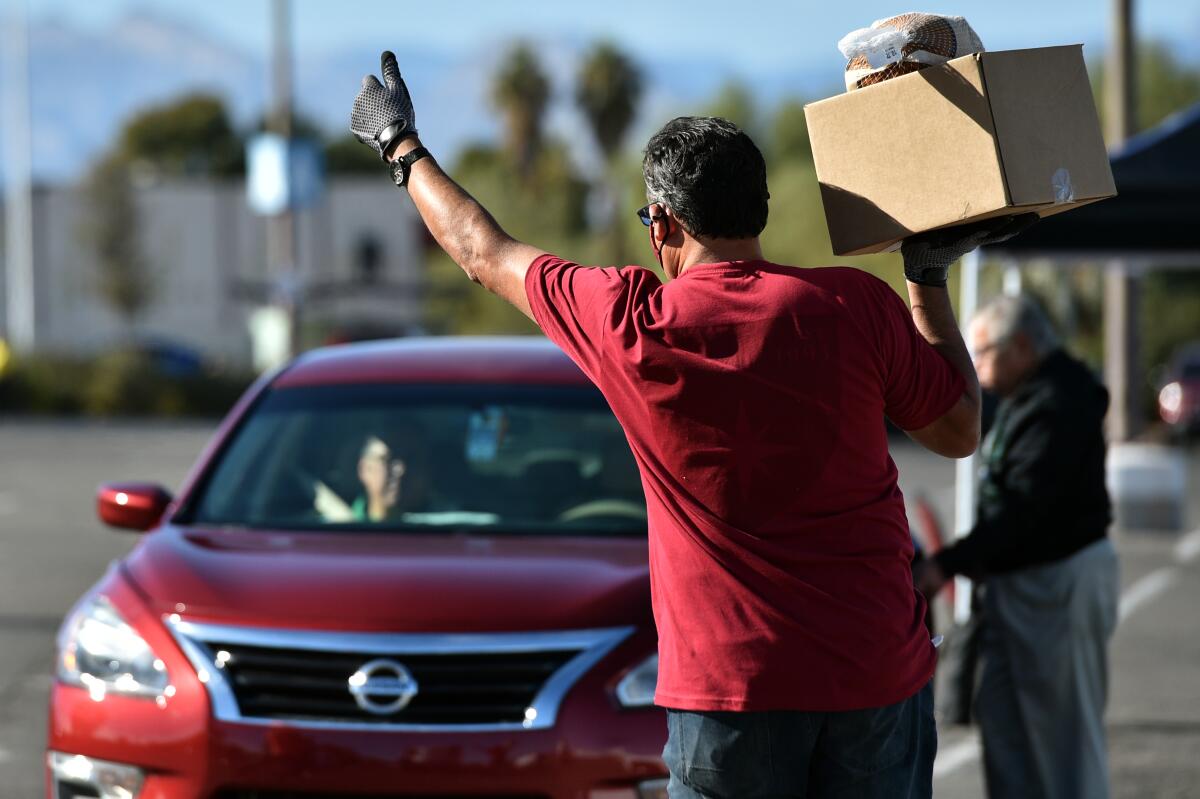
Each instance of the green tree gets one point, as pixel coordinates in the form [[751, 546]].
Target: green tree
[[789, 133], [348, 156], [112, 232], [796, 233], [301, 127], [735, 103], [1179, 291], [1164, 84], [521, 91], [607, 90], [189, 136], [547, 209]]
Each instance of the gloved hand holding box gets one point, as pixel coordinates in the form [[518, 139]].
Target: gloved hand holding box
[[983, 135]]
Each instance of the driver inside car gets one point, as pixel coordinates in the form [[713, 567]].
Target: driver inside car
[[381, 477]]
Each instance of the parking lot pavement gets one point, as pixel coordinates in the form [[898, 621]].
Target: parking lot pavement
[[52, 548]]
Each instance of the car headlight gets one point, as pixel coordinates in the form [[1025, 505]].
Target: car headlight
[[99, 651], [1170, 402], [636, 689]]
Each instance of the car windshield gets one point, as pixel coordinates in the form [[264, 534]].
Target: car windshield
[[406, 458]]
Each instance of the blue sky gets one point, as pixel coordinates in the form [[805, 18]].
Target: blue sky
[[761, 34], [96, 62]]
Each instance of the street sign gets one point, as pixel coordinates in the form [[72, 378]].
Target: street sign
[[282, 174]]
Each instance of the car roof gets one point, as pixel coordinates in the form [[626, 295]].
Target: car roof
[[443, 359]]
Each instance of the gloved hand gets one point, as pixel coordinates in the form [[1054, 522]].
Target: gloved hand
[[383, 112], [928, 256]]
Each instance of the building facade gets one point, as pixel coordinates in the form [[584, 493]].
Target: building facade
[[208, 265]]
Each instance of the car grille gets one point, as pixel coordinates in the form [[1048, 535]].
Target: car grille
[[413, 681], [453, 689]]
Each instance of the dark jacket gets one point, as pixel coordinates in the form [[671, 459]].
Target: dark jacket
[[1042, 495]]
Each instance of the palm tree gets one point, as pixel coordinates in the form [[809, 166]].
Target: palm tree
[[521, 90], [607, 91]]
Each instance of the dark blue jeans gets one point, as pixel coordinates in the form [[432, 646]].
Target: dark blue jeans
[[881, 753]]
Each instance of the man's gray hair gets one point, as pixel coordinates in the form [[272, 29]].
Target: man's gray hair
[[1008, 315], [710, 174]]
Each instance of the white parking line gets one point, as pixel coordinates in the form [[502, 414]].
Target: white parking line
[[1188, 547], [1142, 591], [1145, 589]]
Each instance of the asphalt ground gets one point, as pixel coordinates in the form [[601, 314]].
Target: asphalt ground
[[52, 548]]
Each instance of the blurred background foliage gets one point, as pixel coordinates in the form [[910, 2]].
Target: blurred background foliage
[[537, 189], [124, 382]]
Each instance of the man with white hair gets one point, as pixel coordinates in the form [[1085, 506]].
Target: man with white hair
[[1040, 546]]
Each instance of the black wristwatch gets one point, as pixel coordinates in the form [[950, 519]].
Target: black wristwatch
[[402, 166]]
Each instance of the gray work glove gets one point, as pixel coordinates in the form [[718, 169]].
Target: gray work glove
[[383, 112], [928, 256]]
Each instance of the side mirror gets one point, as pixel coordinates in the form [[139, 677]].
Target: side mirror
[[131, 506]]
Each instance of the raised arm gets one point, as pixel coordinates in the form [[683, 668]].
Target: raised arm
[[956, 433], [467, 232], [383, 119], [927, 261]]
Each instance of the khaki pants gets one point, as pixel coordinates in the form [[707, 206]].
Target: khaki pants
[[1044, 686]]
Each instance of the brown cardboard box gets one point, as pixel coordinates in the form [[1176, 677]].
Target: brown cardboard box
[[984, 135]]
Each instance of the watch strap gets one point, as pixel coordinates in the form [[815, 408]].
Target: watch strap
[[402, 166]]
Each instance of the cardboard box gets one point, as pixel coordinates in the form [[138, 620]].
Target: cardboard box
[[984, 135]]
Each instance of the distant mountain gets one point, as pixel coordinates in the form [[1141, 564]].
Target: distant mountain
[[86, 84]]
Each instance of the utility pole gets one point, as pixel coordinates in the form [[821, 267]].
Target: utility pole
[[20, 319], [281, 238], [1122, 287]]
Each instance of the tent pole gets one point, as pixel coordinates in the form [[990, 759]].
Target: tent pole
[[1122, 293], [964, 468], [1121, 284]]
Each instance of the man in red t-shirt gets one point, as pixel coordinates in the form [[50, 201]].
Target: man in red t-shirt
[[753, 396]]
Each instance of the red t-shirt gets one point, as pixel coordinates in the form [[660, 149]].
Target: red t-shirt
[[753, 396]]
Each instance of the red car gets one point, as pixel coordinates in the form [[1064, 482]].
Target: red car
[[402, 569]]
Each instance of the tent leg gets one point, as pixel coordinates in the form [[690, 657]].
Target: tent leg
[[964, 468], [1122, 287]]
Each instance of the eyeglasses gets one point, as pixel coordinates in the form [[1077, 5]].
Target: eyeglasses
[[643, 214]]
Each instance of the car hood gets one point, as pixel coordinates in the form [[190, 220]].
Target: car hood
[[398, 582]]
